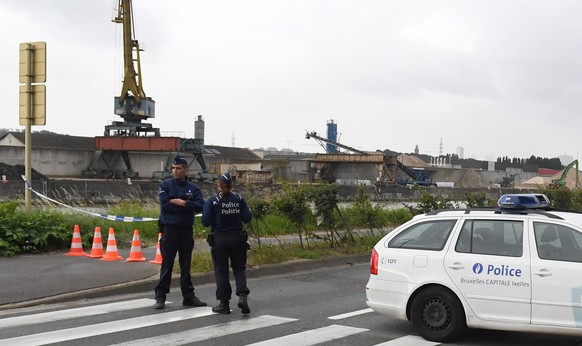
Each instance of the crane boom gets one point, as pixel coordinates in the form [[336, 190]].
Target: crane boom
[[132, 104], [130, 45], [321, 140]]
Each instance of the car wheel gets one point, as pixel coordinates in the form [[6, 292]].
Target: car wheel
[[437, 315]]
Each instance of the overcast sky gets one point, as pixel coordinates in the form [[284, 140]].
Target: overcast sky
[[496, 77]]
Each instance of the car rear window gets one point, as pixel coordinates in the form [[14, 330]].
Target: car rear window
[[429, 235], [491, 237]]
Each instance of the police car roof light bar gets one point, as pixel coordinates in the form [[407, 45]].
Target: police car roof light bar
[[524, 201]]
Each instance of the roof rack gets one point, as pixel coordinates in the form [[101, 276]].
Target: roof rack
[[503, 211]]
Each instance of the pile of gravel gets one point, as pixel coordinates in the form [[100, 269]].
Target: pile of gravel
[[15, 172]]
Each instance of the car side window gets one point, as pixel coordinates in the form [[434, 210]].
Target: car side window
[[557, 242], [430, 235], [491, 237]]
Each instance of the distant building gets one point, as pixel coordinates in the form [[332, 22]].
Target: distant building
[[62, 156], [461, 152]]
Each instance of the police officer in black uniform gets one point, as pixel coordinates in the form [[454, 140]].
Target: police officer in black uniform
[[179, 201], [225, 213]]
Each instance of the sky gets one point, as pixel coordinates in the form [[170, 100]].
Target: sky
[[495, 77]]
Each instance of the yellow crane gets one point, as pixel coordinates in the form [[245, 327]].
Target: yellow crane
[[131, 134], [132, 104]]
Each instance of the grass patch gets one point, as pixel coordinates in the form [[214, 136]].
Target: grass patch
[[286, 252], [201, 262], [270, 254]]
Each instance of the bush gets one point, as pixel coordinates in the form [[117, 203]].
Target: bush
[[310, 211], [22, 232]]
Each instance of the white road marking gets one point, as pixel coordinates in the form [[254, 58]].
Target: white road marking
[[312, 337], [350, 314], [409, 340], [107, 327], [74, 313], [210, 332]]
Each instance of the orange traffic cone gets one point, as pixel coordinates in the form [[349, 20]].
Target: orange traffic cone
[[76, 244], [135, 254], [111, 253], [97, 249], [158, 259]]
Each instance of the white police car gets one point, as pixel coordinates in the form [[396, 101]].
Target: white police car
[[511, 268]]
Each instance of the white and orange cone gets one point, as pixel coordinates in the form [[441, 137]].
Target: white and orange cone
[[111, 254], [158, 259], [135, 254], [97, 249], [76, 244]]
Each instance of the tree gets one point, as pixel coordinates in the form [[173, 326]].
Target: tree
[[292, 204]]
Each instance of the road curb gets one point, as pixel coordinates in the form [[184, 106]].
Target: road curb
[[138, 286]]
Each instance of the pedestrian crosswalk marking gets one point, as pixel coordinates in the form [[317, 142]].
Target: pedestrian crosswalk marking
[[408, 340], [75, 312], [210, 332], [350, 314], [107, 327], [304, 338], [312, 337]]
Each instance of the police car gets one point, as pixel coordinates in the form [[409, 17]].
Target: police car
[[517, 268]]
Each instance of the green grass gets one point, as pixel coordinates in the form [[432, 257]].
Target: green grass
[[201, 262], [273, 254]]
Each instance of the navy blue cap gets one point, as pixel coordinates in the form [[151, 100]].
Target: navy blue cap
[[180, 161], [226, 178]]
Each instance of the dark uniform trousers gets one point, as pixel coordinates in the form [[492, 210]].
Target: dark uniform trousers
[[176, 239], [229, 245]]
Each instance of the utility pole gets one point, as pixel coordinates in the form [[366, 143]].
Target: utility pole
[[32, 100]]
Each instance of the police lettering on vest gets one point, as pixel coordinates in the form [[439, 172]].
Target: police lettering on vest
[[230, 208]]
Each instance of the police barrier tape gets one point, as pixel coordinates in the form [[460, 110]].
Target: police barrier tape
[[105, 216]]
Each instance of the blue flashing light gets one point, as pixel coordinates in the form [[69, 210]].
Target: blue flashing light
[[524, 201]]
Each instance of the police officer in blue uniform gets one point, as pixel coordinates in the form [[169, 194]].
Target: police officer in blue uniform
[[225, 213], [179, 201]]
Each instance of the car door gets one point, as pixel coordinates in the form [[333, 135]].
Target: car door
[[490, 266], [556, 281]]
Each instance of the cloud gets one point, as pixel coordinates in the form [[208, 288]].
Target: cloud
[[495, 77]]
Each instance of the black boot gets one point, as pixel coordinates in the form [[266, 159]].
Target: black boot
[[243, 304], [194, 301], [222, 308], [160, 303]]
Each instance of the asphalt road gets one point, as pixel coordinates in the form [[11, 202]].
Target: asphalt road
[[320, 306]]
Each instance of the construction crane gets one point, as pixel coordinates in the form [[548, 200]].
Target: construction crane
[[132, 104], [561, 182]]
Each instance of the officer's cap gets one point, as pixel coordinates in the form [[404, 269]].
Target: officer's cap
[[180, 161], [226, 178]]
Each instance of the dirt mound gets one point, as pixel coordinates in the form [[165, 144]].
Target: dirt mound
[[467, 178], [15, 172], [413, 162], [570, 178], [471, 179]]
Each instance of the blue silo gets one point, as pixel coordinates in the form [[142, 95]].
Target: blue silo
[[332, 136]]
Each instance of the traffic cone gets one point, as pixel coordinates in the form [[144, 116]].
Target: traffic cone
[[135, 254], [111, 253], [76, 244], [158, 259], [97, 249]]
